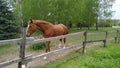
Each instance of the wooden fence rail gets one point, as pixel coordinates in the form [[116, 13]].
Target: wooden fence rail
[[15, 41], [25, 59], [117, 38], [31, 58], [31, 40], [55, 38]]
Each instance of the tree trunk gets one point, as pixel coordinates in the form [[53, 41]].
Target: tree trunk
[[97, 26], [97, 20]]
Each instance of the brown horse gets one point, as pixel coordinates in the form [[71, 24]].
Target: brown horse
[[48, 30]]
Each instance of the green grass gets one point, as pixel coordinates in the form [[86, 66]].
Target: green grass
[[96, 57], [8, 48], [76, 39], [8, 51], [11, 49], [3, 48], [36, 46], [92, 29]]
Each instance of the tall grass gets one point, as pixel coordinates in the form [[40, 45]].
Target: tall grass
[[36, 46], [3, 48], [96, 57], [8, 51]]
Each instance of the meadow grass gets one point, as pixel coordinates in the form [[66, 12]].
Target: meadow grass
[[96, 57], [79, 38], [36, 47], [10, 49], [92, 29], [3, 48]]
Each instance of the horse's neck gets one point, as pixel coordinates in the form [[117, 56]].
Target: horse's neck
[[44, 26]]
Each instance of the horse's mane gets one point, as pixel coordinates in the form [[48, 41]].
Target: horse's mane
[[42, 22]]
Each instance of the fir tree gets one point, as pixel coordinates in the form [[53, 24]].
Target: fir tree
[[8, 28]]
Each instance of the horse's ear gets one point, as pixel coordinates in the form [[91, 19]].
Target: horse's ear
[[31, 21]]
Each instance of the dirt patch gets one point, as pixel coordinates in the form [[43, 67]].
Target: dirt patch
[[43, 61], [49, 59]]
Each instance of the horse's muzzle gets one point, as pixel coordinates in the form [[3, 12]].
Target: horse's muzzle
[[27, 35]]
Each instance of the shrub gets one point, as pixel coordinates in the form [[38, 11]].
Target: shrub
[[37, 46]]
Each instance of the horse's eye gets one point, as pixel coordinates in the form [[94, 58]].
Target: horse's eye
[[30, 26]]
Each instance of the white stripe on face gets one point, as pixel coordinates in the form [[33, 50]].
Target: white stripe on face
[[27, 28]]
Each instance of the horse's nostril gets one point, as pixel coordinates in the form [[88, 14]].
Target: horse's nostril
[[27, 35]]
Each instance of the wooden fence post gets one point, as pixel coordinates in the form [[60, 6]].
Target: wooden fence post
[[105, 41], [118, 36], [22, 49], [84, 42]]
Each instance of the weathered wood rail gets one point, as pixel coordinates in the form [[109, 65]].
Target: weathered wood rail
[[31, 58], [55, 38], [31, 40], [17, 60], [15, 41], [25, 59]]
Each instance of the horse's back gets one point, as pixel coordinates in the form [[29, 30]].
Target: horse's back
[[60, 29], [66, 29]]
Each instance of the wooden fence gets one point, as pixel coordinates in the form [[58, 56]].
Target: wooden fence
[[23, 60], [15, 41]]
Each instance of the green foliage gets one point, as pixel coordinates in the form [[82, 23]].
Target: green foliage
[[105, 23], [96, 57], [8, 28], [37, 46], [64, 11]]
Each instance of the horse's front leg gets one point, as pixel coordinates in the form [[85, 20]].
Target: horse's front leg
[[47, 46], [64, 42], [60, 43]]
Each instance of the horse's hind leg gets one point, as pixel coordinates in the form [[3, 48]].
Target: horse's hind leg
[[60, 43], [64, 39], [48, 46]]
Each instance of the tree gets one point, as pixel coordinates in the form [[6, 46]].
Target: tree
[[8, 29], [86, 12], [103, 10]]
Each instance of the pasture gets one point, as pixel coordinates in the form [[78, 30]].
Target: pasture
[[8, 51], [96, 57], [12, 51]]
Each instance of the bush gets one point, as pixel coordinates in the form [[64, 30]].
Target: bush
[[37, 46]]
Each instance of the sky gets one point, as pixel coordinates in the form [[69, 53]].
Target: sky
[[116, 8]]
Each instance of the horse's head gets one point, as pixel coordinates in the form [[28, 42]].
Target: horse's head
[[31, 28]]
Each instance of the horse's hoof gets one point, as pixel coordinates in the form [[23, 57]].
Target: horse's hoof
[[23, 66], [45, 58], [59, 47], [64, 47]]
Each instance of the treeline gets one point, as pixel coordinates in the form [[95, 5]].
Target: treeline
[[8, 28], [80, 12], [86, 12]]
